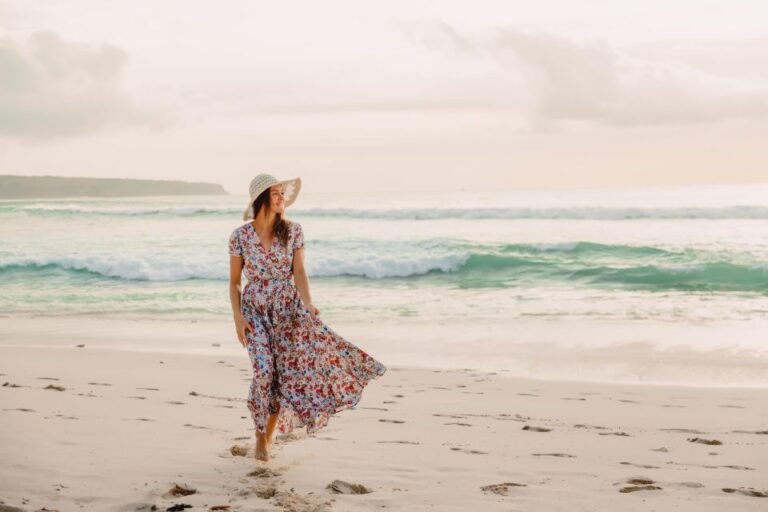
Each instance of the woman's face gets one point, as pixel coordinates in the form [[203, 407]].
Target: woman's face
[[276, 198]]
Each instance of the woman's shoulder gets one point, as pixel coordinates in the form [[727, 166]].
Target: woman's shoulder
[[239, 231]]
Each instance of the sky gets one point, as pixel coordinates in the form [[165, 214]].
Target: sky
[[385, 96]]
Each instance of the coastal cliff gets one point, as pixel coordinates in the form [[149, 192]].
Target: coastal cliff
[[25, 187]]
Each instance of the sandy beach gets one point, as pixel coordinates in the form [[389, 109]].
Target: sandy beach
[[94, 428]]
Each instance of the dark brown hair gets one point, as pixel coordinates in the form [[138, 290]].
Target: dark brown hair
[[281, 224]]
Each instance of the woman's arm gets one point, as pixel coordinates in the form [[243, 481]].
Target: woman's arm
[[235, 269], [301, 279]]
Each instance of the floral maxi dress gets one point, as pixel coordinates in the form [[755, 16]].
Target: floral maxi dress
[[300, 365]]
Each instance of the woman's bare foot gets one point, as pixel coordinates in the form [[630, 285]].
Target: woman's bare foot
[[262, 448]]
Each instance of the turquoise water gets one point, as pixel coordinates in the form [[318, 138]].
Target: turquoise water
[[684, 255]]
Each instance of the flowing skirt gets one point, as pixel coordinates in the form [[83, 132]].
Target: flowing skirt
[[301, 365]]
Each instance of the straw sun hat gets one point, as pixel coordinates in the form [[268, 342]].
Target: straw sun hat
[[262, 182]]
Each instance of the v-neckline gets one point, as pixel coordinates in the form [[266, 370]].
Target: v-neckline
[[259, 238]]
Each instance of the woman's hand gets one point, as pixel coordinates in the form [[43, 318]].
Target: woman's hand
[[312, 309], [240, 327]]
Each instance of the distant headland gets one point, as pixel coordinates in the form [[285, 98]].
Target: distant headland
[[28, 187]]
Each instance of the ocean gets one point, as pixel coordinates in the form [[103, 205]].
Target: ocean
[[664, 266]]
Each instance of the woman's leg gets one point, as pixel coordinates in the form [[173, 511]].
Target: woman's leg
[[271, 423], [260, 392]]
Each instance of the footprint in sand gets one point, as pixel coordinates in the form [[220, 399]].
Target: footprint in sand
[[704, 441], [509, 417], [583, 425], [391, 421], [640, 484], [238, 450], [501, 489], [57, 388], [458, 423], [623, 434], [473, 452], [571, 398], [22, 409], [99, 384], [691, 485], [682, 430], [11, 385], [149, 389], [62, 417], [537, 429], [554, 455], [138, 397], [399, 442], [48, 378], [291, 501], [175, 402], [747, 491], [179, 490], [526, 394], [342, 487], [644, 466], [264, 472], [290, 437], [729, 466]]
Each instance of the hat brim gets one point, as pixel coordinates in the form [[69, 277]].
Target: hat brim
[[291, 190]]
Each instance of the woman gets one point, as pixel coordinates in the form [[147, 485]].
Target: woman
[[303, 371]]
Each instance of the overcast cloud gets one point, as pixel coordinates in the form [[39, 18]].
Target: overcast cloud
[[56, 88], [363, 95]]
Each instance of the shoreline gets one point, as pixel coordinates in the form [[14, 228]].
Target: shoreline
[[559, 351]]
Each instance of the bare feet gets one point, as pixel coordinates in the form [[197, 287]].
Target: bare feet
[[262, 455], [262, 448]]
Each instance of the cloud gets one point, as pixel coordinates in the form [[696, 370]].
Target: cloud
[[54, 88], [566, 79]]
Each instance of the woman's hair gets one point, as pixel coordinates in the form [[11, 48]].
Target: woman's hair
[[281, 224]]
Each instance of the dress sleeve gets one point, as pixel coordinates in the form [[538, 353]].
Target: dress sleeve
[[298, 237], [235, 247]]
